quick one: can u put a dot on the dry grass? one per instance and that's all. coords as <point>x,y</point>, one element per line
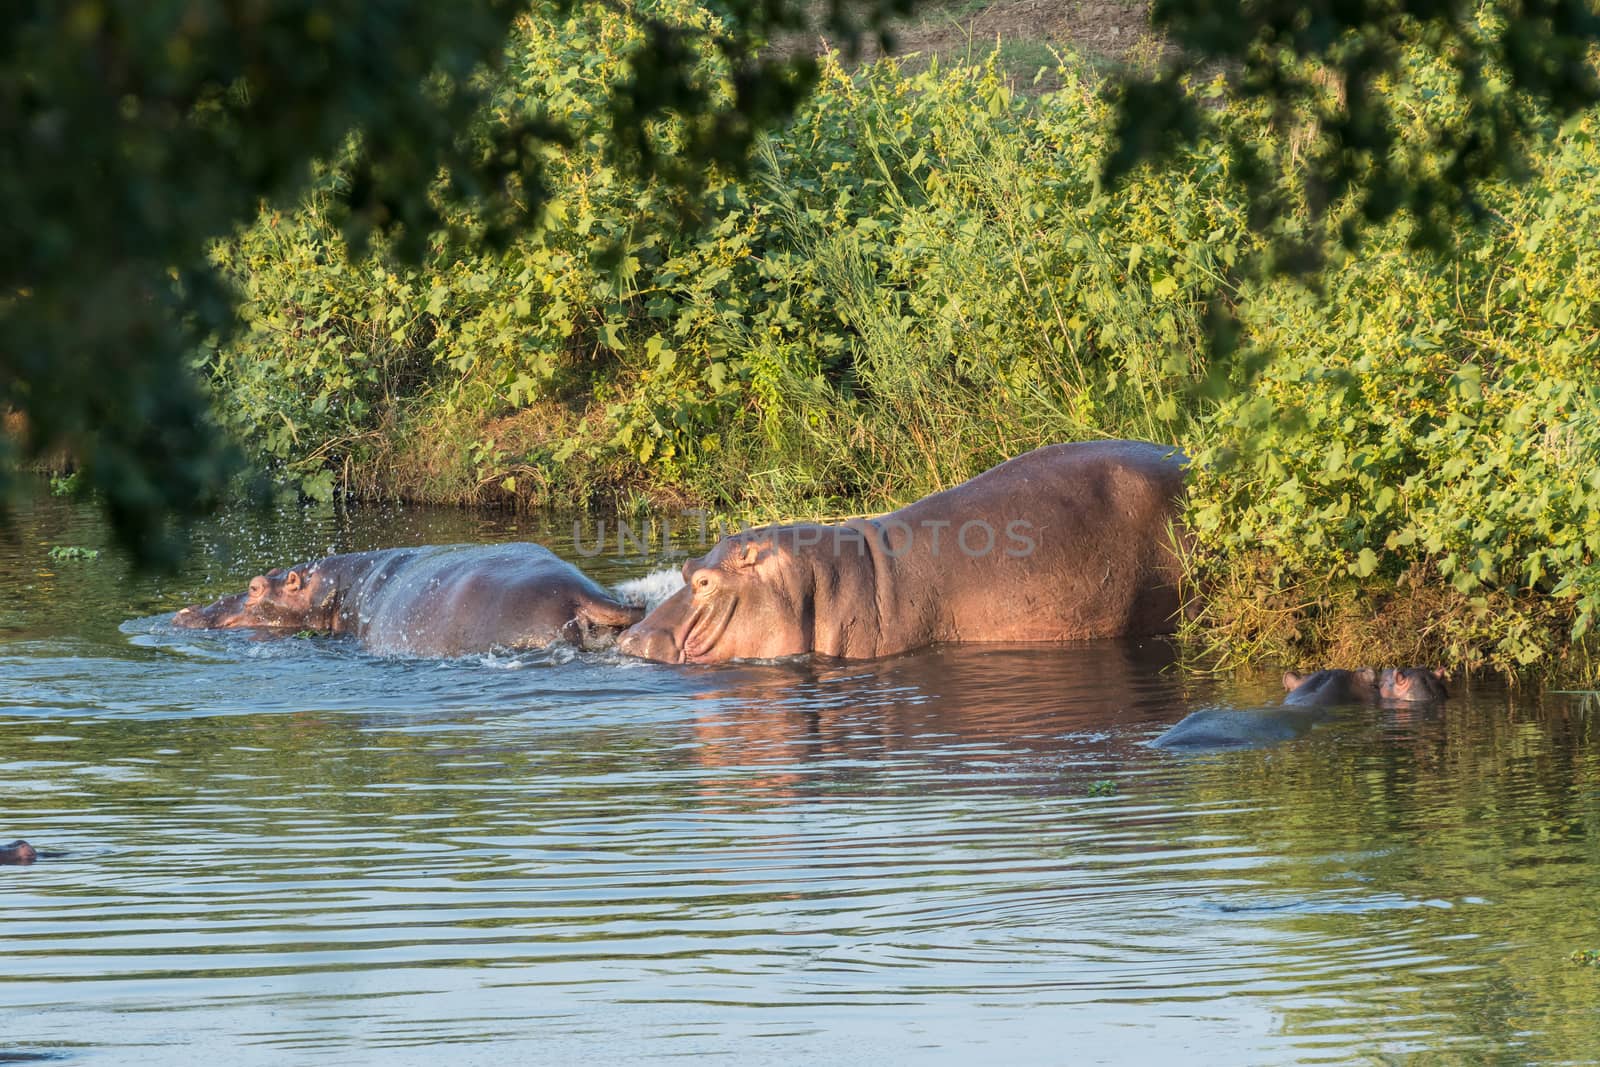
<point>1027,33</point>
<point>1242,618</point>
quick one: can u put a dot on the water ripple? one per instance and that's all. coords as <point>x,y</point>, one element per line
<point>295,851</point>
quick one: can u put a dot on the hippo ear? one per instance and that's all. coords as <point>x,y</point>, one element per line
<point>291,582</point>
<point>1292,679</point>
<point>747,555</point>
<point>1367,676</point>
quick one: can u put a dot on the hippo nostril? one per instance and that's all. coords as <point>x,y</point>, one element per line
<point>647,644</point>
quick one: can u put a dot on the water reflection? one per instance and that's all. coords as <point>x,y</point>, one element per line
<point>978,712</point>
<point>294,851</point>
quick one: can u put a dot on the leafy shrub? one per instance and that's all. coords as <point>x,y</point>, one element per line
<point>1430,419</point>
<point>920,277</point>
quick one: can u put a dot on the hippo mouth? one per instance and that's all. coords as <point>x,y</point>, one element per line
<point>703,632</point>
<point>220,615</point>
<point>662,637</point>
<point>189,619</point>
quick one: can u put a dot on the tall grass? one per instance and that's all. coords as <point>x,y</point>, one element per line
<point>994,299</point>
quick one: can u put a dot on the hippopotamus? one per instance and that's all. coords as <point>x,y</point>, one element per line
<point>435,600</point>
<point>1402,685</point>
<point>1066,542</point>
<point>1308,702</point>
<point>18,853</point>
<point>1326,688</point>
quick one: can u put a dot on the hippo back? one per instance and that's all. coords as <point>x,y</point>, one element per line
<point>1066,542</point>
<point>1211,728</point>
<point>443,600</point>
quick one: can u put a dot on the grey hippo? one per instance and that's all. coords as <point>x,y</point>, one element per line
<point>1309,698</point>
<point>435,600</point>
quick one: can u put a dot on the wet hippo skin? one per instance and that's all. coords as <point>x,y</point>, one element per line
<point>1394,685</point>
<point>1067,542</point>
<point>18,853</point>
<point>436,600</point>
<point>1321,689</point>
<point>1306,704</point>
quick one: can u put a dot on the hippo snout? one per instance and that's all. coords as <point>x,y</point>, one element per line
<point>649,642</point>
<point>220,613</point>
<point>197,617</point>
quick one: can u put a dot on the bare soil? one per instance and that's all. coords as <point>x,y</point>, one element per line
<point>1105,29</point>
<point>1027,34</point>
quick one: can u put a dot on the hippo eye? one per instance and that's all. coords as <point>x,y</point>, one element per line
<point>258,588</point>
<point>702,582</point>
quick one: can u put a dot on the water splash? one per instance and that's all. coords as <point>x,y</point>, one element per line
<point>648,592</point>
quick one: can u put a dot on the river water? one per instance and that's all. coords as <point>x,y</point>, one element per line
<point>292,851</point>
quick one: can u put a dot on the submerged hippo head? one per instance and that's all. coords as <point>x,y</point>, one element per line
<point>1413,685</point>
<point>278,600</point>
<point>1403,685</point>
<point>18,853</point>
<point>750,597</point>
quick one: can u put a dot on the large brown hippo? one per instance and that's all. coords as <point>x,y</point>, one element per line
<point>1309,701</point>
<point>436,600</point>
<point>1066,542</point>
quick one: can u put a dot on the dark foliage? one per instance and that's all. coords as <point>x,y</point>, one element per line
<point>135,132</point>
<point>1333,65</point>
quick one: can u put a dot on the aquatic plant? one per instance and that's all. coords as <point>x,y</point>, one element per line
<point>61,552</point>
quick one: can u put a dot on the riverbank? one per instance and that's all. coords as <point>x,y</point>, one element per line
<point>922,277</point>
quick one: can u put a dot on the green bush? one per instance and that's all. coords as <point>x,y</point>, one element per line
<point>1429,419</point>
<point>920,277</point>
<point>342,360</point>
